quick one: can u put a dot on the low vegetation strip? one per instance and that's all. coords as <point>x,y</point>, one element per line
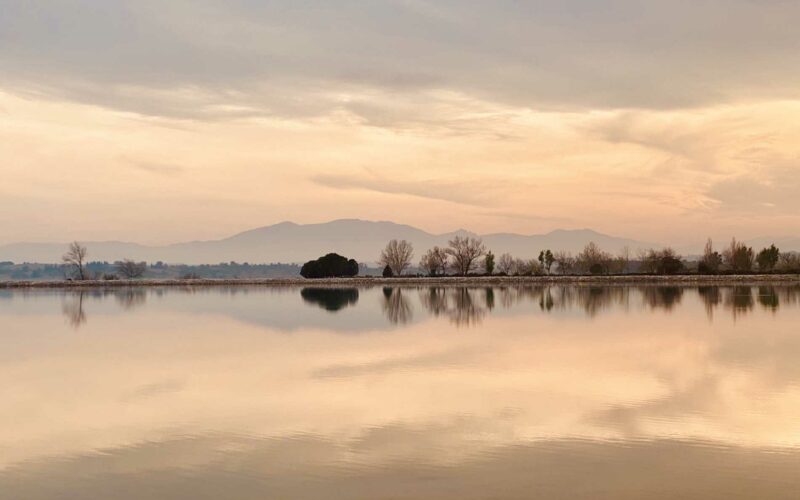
<point>721,279</point>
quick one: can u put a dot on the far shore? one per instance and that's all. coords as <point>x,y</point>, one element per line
<point>422,281</point>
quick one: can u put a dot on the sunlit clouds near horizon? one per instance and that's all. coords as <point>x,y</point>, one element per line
<point>160,122</point>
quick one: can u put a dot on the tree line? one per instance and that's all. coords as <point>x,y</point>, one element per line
<point>467,255</point>
<point>76,266</point>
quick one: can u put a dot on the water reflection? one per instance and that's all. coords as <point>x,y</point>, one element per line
<point>131,298</point>
<point>330,299</point>
<point>72,307</point>
<point>768,297</point>
<point>549,392</point>
<point>396,306</point>
<point>468,306</point>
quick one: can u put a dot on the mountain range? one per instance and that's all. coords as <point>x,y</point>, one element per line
<point>288,242</point>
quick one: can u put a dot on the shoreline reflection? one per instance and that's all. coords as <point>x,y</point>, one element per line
<point>466,306</point>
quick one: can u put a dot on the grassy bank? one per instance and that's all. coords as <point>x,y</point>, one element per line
<point>448,280</point>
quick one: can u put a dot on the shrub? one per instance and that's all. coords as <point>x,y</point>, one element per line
<point>664,261</point>
<point>768,258</point>
<point>597,268</point>
<point>739,256</point>
<point>387,272</point>
<point>331,265</point>
<point>129,269</point>
<point>711,261</point>
<point>669,265</point>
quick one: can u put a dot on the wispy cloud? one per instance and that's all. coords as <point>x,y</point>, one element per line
<point>239,58</point>
<point>455,192</point>
<point>772,190</point>
<point>154,167</point>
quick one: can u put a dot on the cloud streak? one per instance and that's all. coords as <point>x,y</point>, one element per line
<point>204,59</point>
<point>453,192</point>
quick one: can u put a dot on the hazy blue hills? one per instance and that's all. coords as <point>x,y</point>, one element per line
<point>295,243</point>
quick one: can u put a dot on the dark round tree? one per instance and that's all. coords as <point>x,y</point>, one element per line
<point>330,266</point>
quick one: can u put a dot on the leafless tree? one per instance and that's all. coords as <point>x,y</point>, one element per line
<point>130,269</point>
<point>397,255</point>
<point>789,261</point>
<point>75,259</point>
<point>665,261</point>
<point>739,257</point>
<point>465,252</point>
<point>592,259</point>
<point>434,261</point>
<point>565,262</point>
<point>505,264</point>
<point>622,260</point>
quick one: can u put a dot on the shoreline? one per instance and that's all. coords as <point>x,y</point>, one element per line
<point>415,281</point>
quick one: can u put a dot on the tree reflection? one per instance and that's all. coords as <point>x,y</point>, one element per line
<point>711,297</point>
<point>131,298</point>
<point>330,299</point>
<point>462,305</point>
<point>768,297</point>
<point>489,291</point>
<point>594,299</point>
<point>740,300</point>
<point>434,300</point>
<point>546,302</point>
<point>466,310</point>
<point>396,306</point>
<point>72,307</point>
<point>662,297</point>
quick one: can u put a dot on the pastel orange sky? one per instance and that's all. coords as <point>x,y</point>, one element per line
<point>139,121</point>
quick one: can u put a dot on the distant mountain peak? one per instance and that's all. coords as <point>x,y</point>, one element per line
<point>291,242</point>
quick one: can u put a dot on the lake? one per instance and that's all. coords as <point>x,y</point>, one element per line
<point>561,392</point>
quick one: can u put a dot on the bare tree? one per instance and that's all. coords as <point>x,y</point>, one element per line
<point>75,259</point>
<point>739,257</point>
<point>465,252</point>
<point>565,262</point>
<point>505,264</point>
<point>434,261</point>
<point>397,255</point>
<point>711,261</point>
<point>789,261</point>
<point>623,260</point>
<point>665,261</point>
<point>129,269</point>
<point>593,260</point>
<point>529,267</point>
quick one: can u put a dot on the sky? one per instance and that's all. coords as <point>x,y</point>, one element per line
<point>157,122</point>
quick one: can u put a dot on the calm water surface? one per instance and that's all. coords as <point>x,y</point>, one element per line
<point>399,393</point>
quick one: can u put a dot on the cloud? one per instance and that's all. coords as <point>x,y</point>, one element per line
<point>207,60</point>
<point>465,193</point>
<point>154,167</point>
<point>674,135</point>
<point>525,216</point>
<point>771,190</point>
